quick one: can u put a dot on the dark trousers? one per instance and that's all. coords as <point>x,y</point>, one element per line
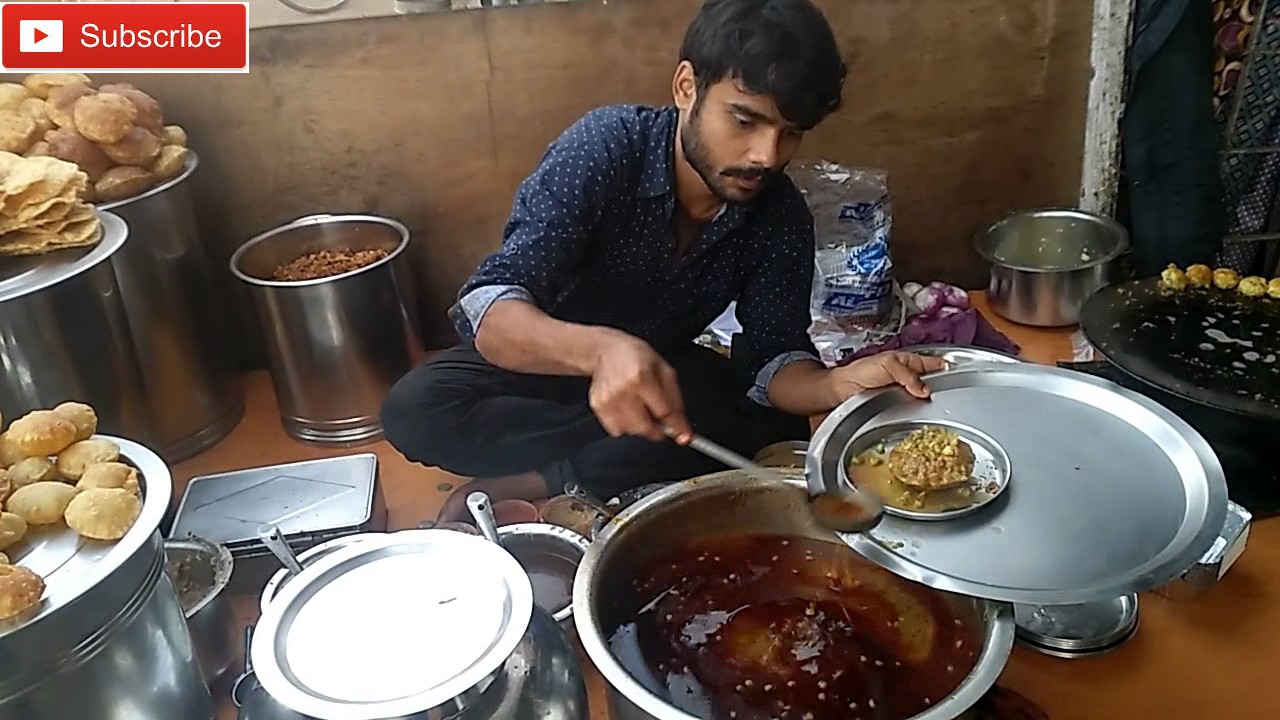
<point>459,413</point>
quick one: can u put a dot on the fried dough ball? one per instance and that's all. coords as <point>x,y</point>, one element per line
<point>1199,275</point>
<point>104,117</point>
<point>42,432</point>
<point>6,484</point>
<point>1273,288</point>
<point>137,147</point>
<point>39,148</point>
<point>1225,279</point>
<point>20,590</point>
<point>12,95</point>
<point>103,513</point>
<point>60,106</point>
<point>67,144</point>
<point>80,415</point>
<point>38,111</point>
<point>41,503</point>
<point>169,162</point>
<point>1172,278</point>
<point>109,475</point>
<point>149,115</point>
<point>12,529</point>
<point>175,135</point>
<point>10,454</point>
<point>122,181</point>
<point>17,131</point>
<point>32,470</point>
<point>4,559</point>
<point>72,461</point>
<point>41,84</point>
<point>1252,286</point>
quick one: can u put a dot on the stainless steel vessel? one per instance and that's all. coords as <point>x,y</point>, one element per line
<point>335,345</point>
<point>1046,263</point>
<point>730,503</point>
<point>109,641</point>
<point>201,571</point>
<point>64,335</point>
<point>177,320</point>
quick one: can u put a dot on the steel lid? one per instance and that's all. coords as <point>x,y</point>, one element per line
<point>72,565</point>
<point>1112,493</point>
<point>392,626</point>
<point>21,276</point>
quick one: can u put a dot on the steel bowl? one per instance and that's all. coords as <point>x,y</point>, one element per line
<point>1046,263</point>
<point>526,540</point>
<point>200,571</point>
<point>731,503</point>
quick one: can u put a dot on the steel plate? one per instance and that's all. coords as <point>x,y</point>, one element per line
<point>1082,628</point>
<point>991,466</point>
<point>1115,493</point>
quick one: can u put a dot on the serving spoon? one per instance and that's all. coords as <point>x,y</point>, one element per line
<point>844,510</point>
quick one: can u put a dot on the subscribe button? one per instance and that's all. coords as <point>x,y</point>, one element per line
<point>129,36</point>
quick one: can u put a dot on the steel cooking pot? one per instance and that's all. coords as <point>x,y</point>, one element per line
<point>732,503</point>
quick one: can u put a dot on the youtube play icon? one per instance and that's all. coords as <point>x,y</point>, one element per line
<point>40,36</point>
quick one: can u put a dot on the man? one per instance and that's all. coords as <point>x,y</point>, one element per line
<point>636,230</point>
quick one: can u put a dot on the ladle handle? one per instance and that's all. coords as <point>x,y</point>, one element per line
<point>274,540</point>
<point>482,511</point>
<point>248,645</point>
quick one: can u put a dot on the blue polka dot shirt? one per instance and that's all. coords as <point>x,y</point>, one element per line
<point>590,240</point>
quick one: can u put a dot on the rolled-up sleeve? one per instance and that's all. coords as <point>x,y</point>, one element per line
<point>773,306</point>
<point>552,220</point>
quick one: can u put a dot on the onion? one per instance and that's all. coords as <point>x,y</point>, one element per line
<point>927,301</point>
<point>948,311</point>
<point>952,296</point>
<point>910,289</point>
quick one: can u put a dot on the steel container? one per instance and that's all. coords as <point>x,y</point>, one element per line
<point>109,640</point>
<point>731,503</point>
<point>208,567</point>
<point>64,335</point>
<point>177,321</point>
<point>1046,263</point>
<point>335,345</point>
<point>526,541</point>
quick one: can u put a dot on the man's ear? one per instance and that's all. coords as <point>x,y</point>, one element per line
<point>684,86</point>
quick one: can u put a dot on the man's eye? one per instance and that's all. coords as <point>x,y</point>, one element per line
<point>744,122</point>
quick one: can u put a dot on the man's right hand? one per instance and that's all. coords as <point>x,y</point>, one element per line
<point>634,391</point>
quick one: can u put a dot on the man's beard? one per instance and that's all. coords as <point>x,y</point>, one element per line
<point>697,155</point>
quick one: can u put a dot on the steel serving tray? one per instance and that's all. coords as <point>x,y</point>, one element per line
<point>1115,493</point>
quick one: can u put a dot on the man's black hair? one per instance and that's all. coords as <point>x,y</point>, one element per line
<point>781,48</point>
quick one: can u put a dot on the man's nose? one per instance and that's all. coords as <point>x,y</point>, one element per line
<point>764,150</point>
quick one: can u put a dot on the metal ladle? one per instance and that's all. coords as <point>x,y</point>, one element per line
<point>482,510</point>
<point>845,510</point>
<point>271,536</point>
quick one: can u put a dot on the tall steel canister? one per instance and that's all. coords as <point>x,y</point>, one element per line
<point>179,332</point>
<point>335,345</point>
<point>64,335</point>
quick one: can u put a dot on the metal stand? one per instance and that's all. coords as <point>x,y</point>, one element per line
<point>1076,631</point>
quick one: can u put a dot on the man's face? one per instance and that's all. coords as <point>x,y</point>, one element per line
<point>736,141</point>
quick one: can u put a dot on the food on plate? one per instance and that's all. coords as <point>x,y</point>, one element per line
<point>42,207</point>
<point>12,529</point>
<point>103,513</point>
<point>170,161</point>
<point>72,462</point>
<point>41,503</point>
<point>122,181</point>
<point>148,114</point>
<point>20,590</point>
<point>17,131</point>
<point>175,135</point>
<point>1199,275</point>
<point>6,484</point>
<point>1225,279</point>
<point>104,117</point>
<point>1252,286</point>
<point>10,455</point>
<point>1273,288</point>
<point>932,458</point>
<point>1172,278</point>
<point>42,84</point>
<point>66,144</point>
<point>42,432</point>
<point>32,470</point>
<point>327,263</point>
<point>62,102</point>
<point>12,95</point>
<point>138,147</point>
<point>109,475</point>
<point>80,415</point>
<point>4,559</point>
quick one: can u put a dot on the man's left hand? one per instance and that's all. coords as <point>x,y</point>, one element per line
<point>885,369</point>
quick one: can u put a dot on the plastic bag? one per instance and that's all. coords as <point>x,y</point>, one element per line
<point>852,303</point>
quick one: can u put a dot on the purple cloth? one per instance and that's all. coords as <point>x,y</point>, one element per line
<point>964,328</point>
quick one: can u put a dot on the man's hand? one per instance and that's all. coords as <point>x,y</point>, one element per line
<point>884,369</point>
<point>634,391</point>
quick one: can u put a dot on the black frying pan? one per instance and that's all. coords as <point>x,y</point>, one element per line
<point>1214,347</point>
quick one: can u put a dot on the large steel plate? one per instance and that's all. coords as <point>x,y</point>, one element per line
<point>1114,495</point>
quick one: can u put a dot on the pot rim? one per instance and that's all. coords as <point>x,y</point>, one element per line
<point>562,535</point>
<point>997,644</point>
<point>318,219</point>
<point>224,565</point>
<point>1110,224</point>
<point>188,168</point>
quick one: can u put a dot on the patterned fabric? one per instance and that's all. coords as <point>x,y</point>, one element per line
<point>590,241</point>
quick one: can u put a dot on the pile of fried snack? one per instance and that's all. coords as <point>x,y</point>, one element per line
<point>115,133</point>
<point>57,474</point>
<point>1175,279</point>
<point>42,206</point>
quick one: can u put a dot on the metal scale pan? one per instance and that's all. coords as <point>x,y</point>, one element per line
<point>1112,494</point>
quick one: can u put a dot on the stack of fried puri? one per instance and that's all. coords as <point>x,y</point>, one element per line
<point>115,133</point>
<point>42,206</point>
